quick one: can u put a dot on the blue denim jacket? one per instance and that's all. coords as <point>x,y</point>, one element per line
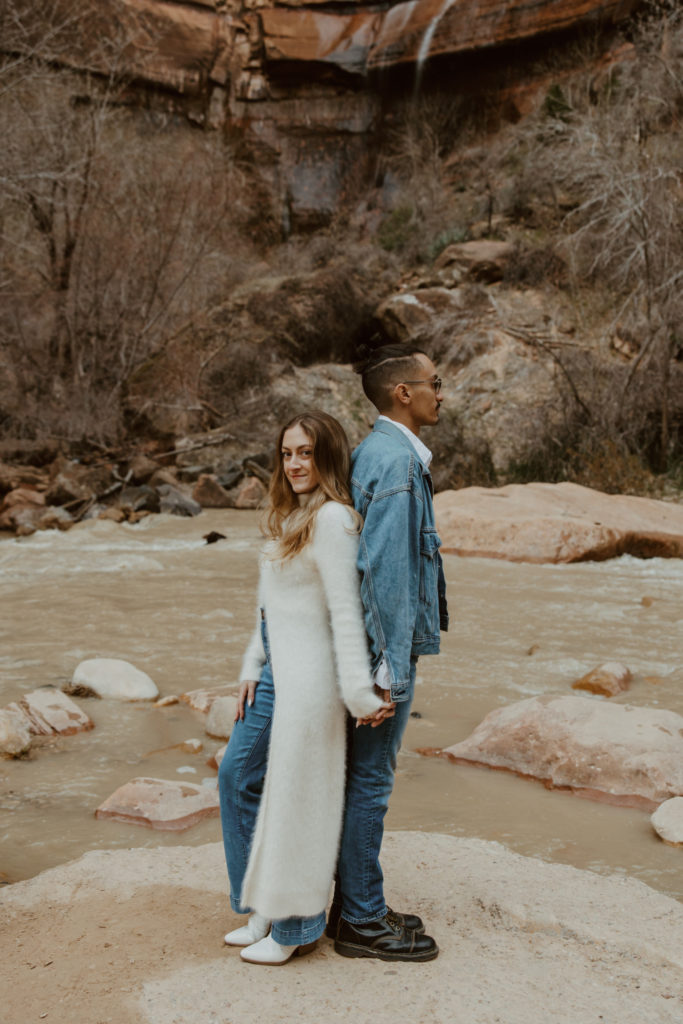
<point>402,580</point>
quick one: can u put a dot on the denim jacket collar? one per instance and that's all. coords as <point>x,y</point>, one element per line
<point>387,427</point>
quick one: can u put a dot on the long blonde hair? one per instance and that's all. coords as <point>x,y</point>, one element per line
<point>286,522</point>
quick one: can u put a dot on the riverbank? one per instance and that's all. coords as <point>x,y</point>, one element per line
<point>157,595</point>
<point>135,936</point>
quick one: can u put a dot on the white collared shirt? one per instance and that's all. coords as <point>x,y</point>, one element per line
<point>421,449</point>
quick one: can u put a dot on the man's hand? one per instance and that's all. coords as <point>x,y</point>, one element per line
<point>387,710</point>
<point>247,691</point>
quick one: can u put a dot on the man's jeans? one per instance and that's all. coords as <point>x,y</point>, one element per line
<point>371,764</point>
<point>240,782</point>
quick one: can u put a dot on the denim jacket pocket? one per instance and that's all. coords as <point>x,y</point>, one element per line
<point>429,565</point>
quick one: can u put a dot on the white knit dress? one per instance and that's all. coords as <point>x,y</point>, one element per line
<point>320,662</point>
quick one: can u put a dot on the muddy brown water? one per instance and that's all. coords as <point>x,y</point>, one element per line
<point>156,595</point>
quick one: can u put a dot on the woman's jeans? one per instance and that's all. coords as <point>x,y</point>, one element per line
<point>240,782</point>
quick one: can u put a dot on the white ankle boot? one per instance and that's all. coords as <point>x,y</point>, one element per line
<point>268,951</point>
<point>256,928</point>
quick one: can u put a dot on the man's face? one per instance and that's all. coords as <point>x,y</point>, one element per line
<point>425,399</point>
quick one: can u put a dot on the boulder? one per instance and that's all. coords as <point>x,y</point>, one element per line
<point>410,316</point>
<point>251,493</point>
<point>116,515</point>
<point>174,502</point>
<point>480,260</point>
<point>55,518</point>
<point>209,493</point>
<point>192,746</point>
<point>201,700</point>
<point>15,735</point>
<point>607,680</point>
<point>67,487</point>
<point>50,712</point>
<point>556,523</point>
<point>616,752</point>
<point>139,499</point>
<point>667,821</point>
<point>23,496</point>
<point>163,477</point>
<point>215,760</point>
<point>221,717</point>
<point>114,678</point>
<point>12,477</point>
<point>161,804</point>
<point>142,468</point>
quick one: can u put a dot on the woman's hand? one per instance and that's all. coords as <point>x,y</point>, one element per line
<point>247,691</point>
<point>387,710</point>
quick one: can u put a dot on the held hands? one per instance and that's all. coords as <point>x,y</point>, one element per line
<point>387,710</point>
<point>247,691</point>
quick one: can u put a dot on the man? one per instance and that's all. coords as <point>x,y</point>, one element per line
<point>403,592</point>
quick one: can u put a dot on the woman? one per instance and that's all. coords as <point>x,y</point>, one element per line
<point>309,651</point>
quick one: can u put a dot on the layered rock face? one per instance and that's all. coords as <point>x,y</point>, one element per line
<point>243,44</point>
<point>307,84</point>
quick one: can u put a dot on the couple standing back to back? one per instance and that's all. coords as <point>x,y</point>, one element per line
<point>287,814</point>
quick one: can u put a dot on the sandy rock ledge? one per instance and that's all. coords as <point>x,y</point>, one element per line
<point>138,934</point>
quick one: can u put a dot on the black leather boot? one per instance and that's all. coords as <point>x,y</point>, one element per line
<point>411,922</point>
<point>386,939</point>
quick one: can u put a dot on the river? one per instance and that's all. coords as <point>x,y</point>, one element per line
<point>157,595</point>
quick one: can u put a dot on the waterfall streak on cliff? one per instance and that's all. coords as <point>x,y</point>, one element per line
<point>426,43</point>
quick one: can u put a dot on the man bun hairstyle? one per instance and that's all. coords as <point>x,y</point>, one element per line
<point>386,367</point>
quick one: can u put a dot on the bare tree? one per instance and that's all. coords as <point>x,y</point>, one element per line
<point>116,228</point>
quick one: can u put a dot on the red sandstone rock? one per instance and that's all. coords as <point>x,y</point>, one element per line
<point>607,680</point>
<point>250,493</point>
<point>617,752</point>
<point>50,712</point>
<point>201,700</point>
<point>23,496</point>
<point>556,523</point>
<point>209,493</point>
<point>159,803</point>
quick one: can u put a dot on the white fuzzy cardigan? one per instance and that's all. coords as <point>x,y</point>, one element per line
<point>320,663</point>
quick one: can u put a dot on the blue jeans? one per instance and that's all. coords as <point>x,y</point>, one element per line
<point>240,783</point>
<point>371,764</point>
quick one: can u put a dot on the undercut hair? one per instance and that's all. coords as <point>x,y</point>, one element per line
<point>385,368</point>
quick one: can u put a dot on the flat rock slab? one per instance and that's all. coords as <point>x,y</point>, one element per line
<point>114,678</point>
<point>521,942</point>
<point>616,752</point>
<point>556,523</point>
<point>50,712</point>
<point>667,821</point>
<point>161,804</point>
<point>201,700</point>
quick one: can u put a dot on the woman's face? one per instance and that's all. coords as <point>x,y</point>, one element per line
<point>297,460</point>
